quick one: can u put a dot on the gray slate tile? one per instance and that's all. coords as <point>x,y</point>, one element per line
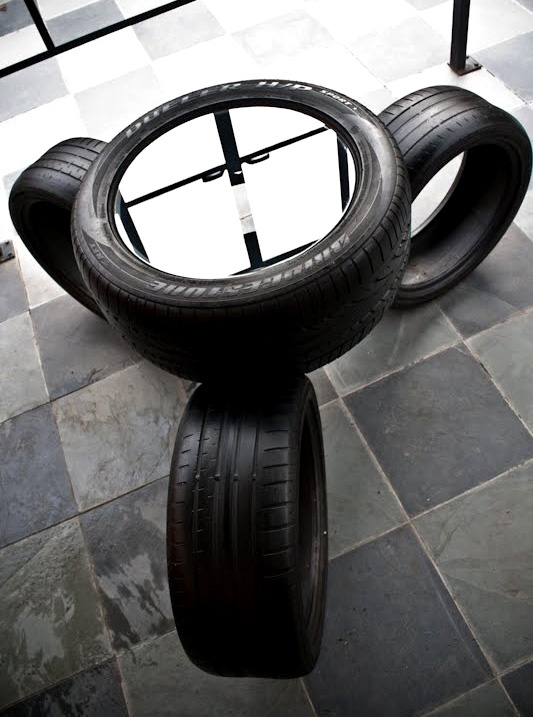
<point>26,89</point>
<point>126,544</point>
<point>14,15</point>
<point>487,701</point>
<point>519,684</point>
<point>482,543</point>
<point>524,115</point>
<point>35,490</point>
<point>283,36</point>
<point>93,693</point>
<point>178,29</point>
<point>360,502</point>
<point>392,53</point>
<point>118,434</point>
<point>400,338</point>
<point>13,299</point>
<point>394,642</point>
<point>323,387</point>
<point>51,625</point>
<point>21,377</point>
<point>526,3</point>
<point>84,20</point>
<point>506,351</point>
<point>160,680</point>
<point>512,62</point>
<point>77,347</point>
<point>439,428</point>
<point>496,290</point>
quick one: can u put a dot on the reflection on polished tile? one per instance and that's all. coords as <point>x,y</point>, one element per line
<point>52,626</point>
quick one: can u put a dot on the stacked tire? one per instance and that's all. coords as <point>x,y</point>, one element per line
<point>247,517</point>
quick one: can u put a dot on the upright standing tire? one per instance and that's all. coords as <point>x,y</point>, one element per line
<point>290,317</point>
<point>247,531</point>
<point>431,127</point>
<point>41,203</point>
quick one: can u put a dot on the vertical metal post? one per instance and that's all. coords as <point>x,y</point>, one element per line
<point>39,24</point>
<point>343,174</point>
<point>459,61</point>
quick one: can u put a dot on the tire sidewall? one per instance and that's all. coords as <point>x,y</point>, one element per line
<point>96,238</point>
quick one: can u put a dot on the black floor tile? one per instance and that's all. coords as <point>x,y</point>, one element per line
<point>394,642</point>
<point>512,62</point>
<point>439,428</point>
<point>519,685</point>
<point>86,19</point>
<point>35,490</point>
<point>14,300</point>
<point>94,693</point>
<point>498,288</point>
<point>126,543</point>
<point>77,347</point>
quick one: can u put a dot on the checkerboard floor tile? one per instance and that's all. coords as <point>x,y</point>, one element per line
<point>427,440</point>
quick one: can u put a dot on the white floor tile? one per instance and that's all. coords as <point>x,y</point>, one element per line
<point>334,67</point>
<point>210,63</point>
<point>102,60</point>
<point>135,7</point>
<point>235,15</point>
<point>25,137</point>
<point>491,21</point>
<point>53,8</point>
<point>348,20</point>
<point>40,287</point>
<point>20,45</point>
<point>125,98</point>
<point>481,82</point>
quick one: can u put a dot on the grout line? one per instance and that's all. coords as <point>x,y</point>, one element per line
<point>474,489</point>
<point>51,686</point>
<point>372,455</point>
<point>306,693</point>
<point>483,650</point>
<point>504,690</point>
<point>343,392</point>
<point>83,512</point>
<point>497,386</point>
<point>514,316</point>
<point>123,685</point>
<point>517,666</point>
<point>368,540</point>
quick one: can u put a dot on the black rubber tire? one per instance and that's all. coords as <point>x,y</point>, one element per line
<point>291,317</point>
<point>247,531</point>
<point>431,127</point>
<point>41,203</point>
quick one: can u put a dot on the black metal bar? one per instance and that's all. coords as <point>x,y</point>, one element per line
<point>343,174</point>
<point>131,229</point>
<point>236,177</point>
<point>78,41</point>
<point>275,259</point>
<point>247,159</point>
<point>459,62</point>
<point>229,147</point>
<point>39,24</point>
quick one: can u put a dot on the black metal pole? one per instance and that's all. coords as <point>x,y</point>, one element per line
<point>343,174</point>
<point>39,24</point>
<point>459,61</point>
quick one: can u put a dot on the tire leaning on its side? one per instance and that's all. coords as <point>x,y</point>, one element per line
<point>291,317</point>
<point>247,530</point>
<point>431,127</point>
<point>41,203</point>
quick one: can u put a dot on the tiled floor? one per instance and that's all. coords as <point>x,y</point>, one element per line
<point>427,423</point>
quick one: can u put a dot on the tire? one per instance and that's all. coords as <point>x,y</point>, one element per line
<point>291,317</point>
<point>41,203</point>
<point>247,531</point>
<point>431,127</point>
